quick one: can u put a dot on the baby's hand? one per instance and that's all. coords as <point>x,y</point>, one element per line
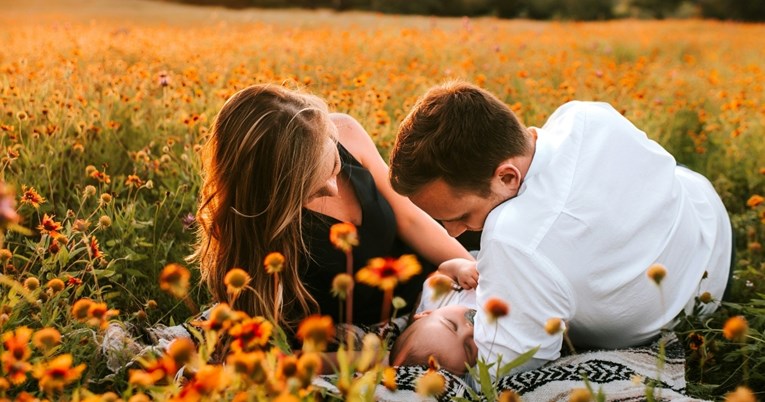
<point>467,276</point>
<point>462,271</point>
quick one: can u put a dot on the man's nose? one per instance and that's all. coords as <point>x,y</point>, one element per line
<point>454,228</point>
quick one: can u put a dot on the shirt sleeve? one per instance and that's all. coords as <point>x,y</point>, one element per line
<point>535,291</point>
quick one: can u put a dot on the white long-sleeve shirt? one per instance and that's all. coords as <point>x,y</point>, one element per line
<point>601,202</point>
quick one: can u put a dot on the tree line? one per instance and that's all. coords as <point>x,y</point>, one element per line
<point>583,10</point>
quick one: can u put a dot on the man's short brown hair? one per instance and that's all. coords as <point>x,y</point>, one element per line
<point>457,132</point>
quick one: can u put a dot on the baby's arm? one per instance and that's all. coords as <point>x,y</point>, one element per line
<point>462,271</point>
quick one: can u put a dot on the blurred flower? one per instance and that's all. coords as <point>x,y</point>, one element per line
<point>106,198</point>
<point>5,255</point>
<point>250,334</point>
<point>104,221</point>
<point>440,284</point>
<point>80,225</point>
<point>553,326</point>
<point>182,351</point>
<point>249,364</point>
<point>174,279</point>
<point>220,317</point>
<point>509,396</point>
<point>389,378</point>
<point>695,341</point>
<point>80,309</point>
<point>46,338</point>
<point>93,248</point>
<point>656,273</point>
<point>89,191</point>
<point>344,236</point>
<point>580,395</point>
<point>55,285</point>
<point>315,331</point>
<point>341,285</point>
<point>274,262</point>
<point>754,200</point>
<point>385,273</point>
<point>8,213</point>
<point>54,375</point>
<point>16,344</point>
<point>742,393</point>
<point>31,197</point>
<point>398,303</point>
<point>236,280</point>
<point>32,283</point>
<point>705,297</point>
<point>188,221</point>
<point>102,177</point>
<point>133,181</point>
<point>496,308</point>
<point>431,383</point>
<point>736,328</point>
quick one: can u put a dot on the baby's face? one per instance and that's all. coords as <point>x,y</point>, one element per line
<point>448,333</point>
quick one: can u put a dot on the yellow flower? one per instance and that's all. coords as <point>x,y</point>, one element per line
<point>308,366</point>
<point>509,396</point>
<point>220,317</point>
<point>736,328</point>
<point>80,309</point>
<point>32,283</point>
<point>580,395</point>
<point>344,236</point>
<point>16,344</point>
<point>182,351</point>
<point>386,273</point>
<point>553,326</point>
<point>46,338</point>
<point>656,273</point>
<point>249,364</point>
<point>174,279</point>
<point>741,394</point>
<point>431,383</point>
<point>496,308</point>
<point>236,280</point>
<point>389,378</point>
<point>57,373</point>
<point>274,262</point>
<point>315,331</point>
<point>341,285</point>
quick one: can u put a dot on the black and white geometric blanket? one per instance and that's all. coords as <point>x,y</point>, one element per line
<point>622,375</point>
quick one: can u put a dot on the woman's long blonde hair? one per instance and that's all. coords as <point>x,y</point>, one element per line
<point>259,167</point>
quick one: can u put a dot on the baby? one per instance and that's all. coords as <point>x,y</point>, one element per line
<point>446,333</point>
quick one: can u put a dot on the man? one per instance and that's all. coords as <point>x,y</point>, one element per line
<point>572,214</point>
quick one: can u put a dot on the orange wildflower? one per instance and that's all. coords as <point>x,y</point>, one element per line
<point>31,197</point>
<point>344,236</point>
<point>386,273</point>
<point>16,370</point>
<point>553,326</point>
<point>236,280</point>
<point>208,380</point>
<point>315,331</point>
<point>250,334</point>
<point>58,373</point>
<point>49,226</point>
<point>46,338</point>
<point>182,351</point>
<point>736,328</point>
<point>100,176</point>
<point>695,341</point>
<point>509,396</point>
<point>32,283</point>
<point>94,249</point>
<point>742,393</point>
<point>174,279</point>
<point>580,395</point>
<point>16,345</point>
<point>133,181</point>
<point>220,317</point>
<point>496,308</point>
<point>274,262</point>
<point>755,200</point>
<point>656,273</point>
<point>389,378</point>
<point>249,364</point>
<point>55,285</point>
<point>80,309</point>
<point>308,365</point>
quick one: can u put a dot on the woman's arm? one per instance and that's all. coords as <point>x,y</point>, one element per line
<point>420,231</point>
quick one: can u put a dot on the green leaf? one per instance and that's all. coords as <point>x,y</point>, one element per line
<point>518,361</point>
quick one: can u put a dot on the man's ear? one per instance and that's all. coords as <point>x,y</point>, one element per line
<point>421,315</point>
<point>507,177</point>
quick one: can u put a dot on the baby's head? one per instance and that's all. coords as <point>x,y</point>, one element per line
<point>445,333</point>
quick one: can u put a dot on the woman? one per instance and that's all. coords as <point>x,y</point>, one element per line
<point>279,170</point>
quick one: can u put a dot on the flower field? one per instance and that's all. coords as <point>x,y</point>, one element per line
<point>104,107</point>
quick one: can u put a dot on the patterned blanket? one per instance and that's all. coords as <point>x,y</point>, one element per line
<point>622,375</point>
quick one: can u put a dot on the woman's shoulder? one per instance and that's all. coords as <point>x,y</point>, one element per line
<point>353,137</point>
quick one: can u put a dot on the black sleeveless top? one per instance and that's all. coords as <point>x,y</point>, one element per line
<point>377,238</point>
